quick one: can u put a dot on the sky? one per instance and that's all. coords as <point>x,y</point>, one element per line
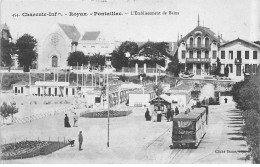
<point>231,18</point>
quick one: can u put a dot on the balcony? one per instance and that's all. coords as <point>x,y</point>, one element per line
<point>197,60</point>
<point>198,47</point>
<point>238,61</point>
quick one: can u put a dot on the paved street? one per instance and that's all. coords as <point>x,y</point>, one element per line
<point>133,140</point>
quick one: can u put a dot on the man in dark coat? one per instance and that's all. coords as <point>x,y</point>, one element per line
<point>147,115</point>
<point>80,140</point>
<point>66,121</point>
<point>159,116</point>
<point>172,114</point>
<point>168,114</point>
<point>176,110</point>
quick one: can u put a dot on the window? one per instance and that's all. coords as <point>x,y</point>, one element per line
<point>207,42</point>
<point>230,54</point>
<point>191,41</point>
<point>254,68</point>
<point>198,54</point>
<point>97,100</point>
<point>206,54</point>
<point>183,54</point>
<point>214,54</point>
<point>73,91</point>
<point>246,54</point>
<point>246,68</point>
<point>222,54</point>
<point>238,54</point>
<point>231,68</point>
<point>199,41</point>
<point>21,89</point>
<point>191,54</point>
<point>254,54</point>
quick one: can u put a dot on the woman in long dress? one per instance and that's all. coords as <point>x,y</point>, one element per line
<point>66,121</point>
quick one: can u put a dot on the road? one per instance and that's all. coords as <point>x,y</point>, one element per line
<point>134,140</point>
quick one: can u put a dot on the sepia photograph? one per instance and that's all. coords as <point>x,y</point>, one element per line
<point>130,82</point>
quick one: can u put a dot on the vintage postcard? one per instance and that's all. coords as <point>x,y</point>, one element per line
<point>130,81</point>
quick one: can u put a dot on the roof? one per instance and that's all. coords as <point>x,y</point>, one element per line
<point>71,31</point>
<point>164,97</point>
<point>241,40</point>
<point>182,87</point>
<point>91,35</point>
<point>4,26</point>
<point>205,30</point>
<point>22,83</point>
<point>194,114</point>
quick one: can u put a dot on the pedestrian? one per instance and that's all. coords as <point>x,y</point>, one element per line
<point>80,140</point>
<point>154,116</point>
<point>168,114</point>
<point>147,115</point>
<point>172,114</point>
<point>66,121</point>
<point>225,100</point>
<point>76,119</point>
<point>159,116</point>
<point>176,111</point>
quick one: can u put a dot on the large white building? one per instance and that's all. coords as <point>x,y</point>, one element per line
<point>240,56</point>
<point>62,39</point>
<point>198,50</point>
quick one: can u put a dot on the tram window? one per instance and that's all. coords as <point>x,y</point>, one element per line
<point>97,99</point>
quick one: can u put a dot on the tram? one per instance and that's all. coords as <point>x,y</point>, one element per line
<point>189,127</point>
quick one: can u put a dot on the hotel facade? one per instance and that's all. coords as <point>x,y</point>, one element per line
<point>199,49</point>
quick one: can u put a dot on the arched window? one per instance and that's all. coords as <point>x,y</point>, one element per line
<point>207,42</point>
<point>54,61</point>
<point>199,41</point>
<point>191,41</point>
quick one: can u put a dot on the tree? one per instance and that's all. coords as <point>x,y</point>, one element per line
<point>246,94</point>
<point>119,58</point>
<point>217,70</point>
<point>128,47</point>
<point>26,51</point>
<point>226,71</point>
<point>6,52</point>
<point>174,66</point>
<point>97,60</point>
<point>158,89</point>
<point>77,58</point>
<point>7,110</point>
<point>154,51</point>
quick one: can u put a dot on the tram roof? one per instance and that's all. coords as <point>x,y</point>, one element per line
<point>194,114</point>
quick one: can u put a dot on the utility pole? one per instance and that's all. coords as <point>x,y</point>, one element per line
<point>108,108</point>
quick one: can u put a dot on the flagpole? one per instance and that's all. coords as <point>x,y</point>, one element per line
<point>156,74</point>
<point>92,78</point>
<point>108,108</point>
<point>82,75</point>
<point>77,74</point>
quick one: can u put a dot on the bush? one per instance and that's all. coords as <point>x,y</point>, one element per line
<point>7,110</point>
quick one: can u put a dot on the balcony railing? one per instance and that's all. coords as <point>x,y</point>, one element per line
<point>198,46</point>
<point>197,60</point>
